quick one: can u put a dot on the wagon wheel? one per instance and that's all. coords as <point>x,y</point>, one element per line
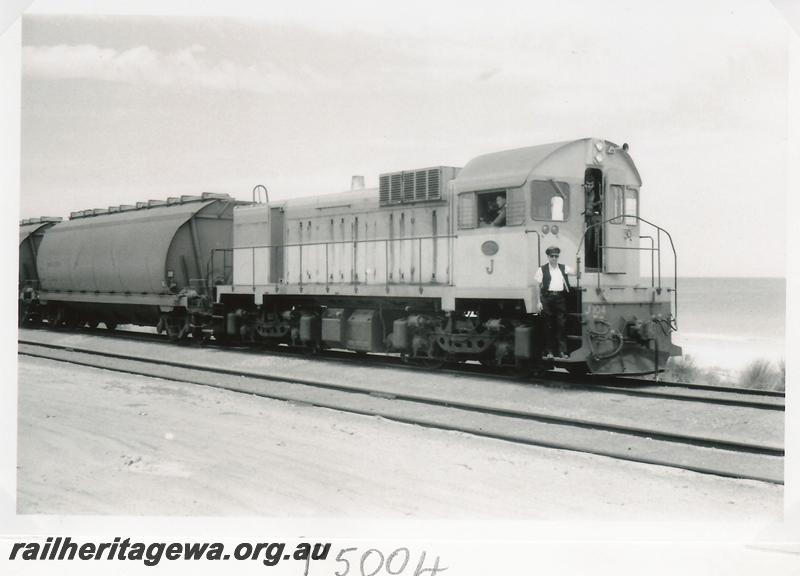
<point>172,332</point>
<point>177,328</point>
<point>55,317</point>
<point>110,325</point>
<point>198,337</point>
<point>92,324</point>
<point>22,314</point>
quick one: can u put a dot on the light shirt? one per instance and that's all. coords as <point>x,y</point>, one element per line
<point>556,279</point>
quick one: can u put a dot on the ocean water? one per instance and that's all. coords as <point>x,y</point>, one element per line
<point>727,323</point>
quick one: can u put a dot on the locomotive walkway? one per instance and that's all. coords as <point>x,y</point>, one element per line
<point>728,440</point>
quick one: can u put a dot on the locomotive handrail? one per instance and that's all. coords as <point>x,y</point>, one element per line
<point>652,254</point>
<point>359,241</point>
<point>210,267</point>
<point>538,246</point>
<point>657,248</point>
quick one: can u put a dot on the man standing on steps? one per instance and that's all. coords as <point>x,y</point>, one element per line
<point>553,279</point>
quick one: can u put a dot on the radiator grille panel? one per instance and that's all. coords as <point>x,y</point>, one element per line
<point>414,186</point>
<point>395,189</point>
<point>383,190</point>
<point>434,190</point>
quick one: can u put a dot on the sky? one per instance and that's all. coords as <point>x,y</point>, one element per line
<point>121,108</point>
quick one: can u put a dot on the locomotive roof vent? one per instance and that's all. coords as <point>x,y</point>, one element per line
<point>423,185</point>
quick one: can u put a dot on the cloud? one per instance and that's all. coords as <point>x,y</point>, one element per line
<point>187,67</point>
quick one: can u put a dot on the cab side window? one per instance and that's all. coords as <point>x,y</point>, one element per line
<point>614,204</point>
<point>631,206</point>
<point>549,200</point>
<point>492,209</point>
<point>467,215</point>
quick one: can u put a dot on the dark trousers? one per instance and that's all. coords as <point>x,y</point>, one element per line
<point>554,311</point>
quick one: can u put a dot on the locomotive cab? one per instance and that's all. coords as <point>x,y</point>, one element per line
<point>582,196</point>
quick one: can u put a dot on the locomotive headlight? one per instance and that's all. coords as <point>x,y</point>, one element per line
<point>554,229</point>
<point>545,229</point>
<point>595,151</point>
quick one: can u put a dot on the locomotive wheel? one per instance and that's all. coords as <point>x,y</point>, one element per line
<point>522,369</point>
<point>270,343</point>
<point>578,369</point>
<point>110,325</point>
<point>312,349</point>
<point>424,362</point>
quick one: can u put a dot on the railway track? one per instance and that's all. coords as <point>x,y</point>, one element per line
<point>517,416</point>
<point>636,387</point>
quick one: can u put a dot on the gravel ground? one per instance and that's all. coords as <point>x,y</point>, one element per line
<point>96,442</point>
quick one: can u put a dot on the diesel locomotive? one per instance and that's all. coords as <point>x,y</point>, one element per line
<point>436,264</point>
